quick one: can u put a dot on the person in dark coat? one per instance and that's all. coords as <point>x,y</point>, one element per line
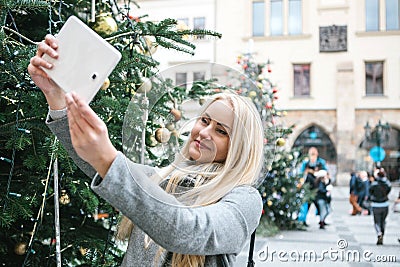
<point>323,197</point>
<point>379,192</point>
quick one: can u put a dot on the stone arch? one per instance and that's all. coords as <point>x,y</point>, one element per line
<point>314,135</point>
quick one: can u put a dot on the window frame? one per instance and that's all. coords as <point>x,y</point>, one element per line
<point>382,93</point>
<point>298,20</point>
<point>261,23</point>
<point>195,27</point>
<point>272,30</point>
<point>297,91</point>
<point>392,10</point>
<point>375,19</point>
<point>380,16</point>
<point>180,84</point>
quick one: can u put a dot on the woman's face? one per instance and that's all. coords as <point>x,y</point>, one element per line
<point>210,136</point>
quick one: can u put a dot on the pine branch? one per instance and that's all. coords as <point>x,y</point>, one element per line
<point>24,4</point>
<point>166,30</point>
<point>20,35</point>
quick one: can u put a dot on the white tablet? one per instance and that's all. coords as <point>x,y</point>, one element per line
<point>85,59</point>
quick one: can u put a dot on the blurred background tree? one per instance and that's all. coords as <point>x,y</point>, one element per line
<point>281,186</point>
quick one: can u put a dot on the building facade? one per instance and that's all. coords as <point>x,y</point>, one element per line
<point>336,64</point>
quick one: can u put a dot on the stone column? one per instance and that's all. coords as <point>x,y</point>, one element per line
<point>345,121</point>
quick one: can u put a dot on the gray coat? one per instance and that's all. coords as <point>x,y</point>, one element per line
<point>218,231</point>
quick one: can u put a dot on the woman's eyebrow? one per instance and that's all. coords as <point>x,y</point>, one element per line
<point>218,123</point>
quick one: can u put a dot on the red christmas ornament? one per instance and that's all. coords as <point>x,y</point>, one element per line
<point>274,90</point>
<point>269,69</point>
<point>268,105</point>
<point>131,17</point>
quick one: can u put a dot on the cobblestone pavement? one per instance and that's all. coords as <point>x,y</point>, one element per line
<point>346,241</point>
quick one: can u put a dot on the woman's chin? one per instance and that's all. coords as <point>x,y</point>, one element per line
<point>194,154</point>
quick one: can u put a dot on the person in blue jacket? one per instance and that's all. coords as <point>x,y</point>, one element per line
<point>314,161</point>
<point>309,166</point>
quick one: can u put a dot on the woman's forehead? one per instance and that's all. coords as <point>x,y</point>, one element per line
<point>220,111</point>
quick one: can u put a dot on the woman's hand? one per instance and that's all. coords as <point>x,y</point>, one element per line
<point>53,93</point>
<point>89,135</point>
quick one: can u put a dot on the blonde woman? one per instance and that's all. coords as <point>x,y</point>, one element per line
<point>200,210</point>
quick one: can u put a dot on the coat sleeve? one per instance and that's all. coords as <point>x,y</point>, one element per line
<point>60,129</point>
<point>220,228</point>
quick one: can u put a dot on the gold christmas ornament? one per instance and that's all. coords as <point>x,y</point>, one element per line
<point>176,113</point>
<point>201,101</point>
<point>175,133</point>
<point>252,94</point>
<point>162,135</point>
<point>280,141</point>
<point>106,84</point>
<point>149,47</point>
<point>64,198</point>
<point>20,248</point>
<point>145,86</point>
<point>170,126</point>
<point>105,24</point>
<point>151,141</point>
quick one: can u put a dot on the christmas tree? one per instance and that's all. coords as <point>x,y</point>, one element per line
<point>38,181</point>
<point>281,187</point>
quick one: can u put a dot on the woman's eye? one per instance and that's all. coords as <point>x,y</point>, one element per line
<point>204,120</point>
<point>222,131</point>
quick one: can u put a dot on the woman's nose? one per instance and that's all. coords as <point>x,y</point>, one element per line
<point>205,133</point>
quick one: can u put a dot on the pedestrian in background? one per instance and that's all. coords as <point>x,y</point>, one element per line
<point>314,161</point>
<point>396,204</point>
<point>379,192</point>
<point>323,196</point>
<point>354,192</point>
<point>363,184</point>
<point>311,164</point>
<point>310,181</point>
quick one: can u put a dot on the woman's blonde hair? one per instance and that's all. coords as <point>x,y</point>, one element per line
<point>214,180</point>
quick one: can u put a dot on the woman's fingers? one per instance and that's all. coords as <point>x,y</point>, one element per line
<point>87,113</point>
<point>47,48</point>
<point>51,40</point>
<point>37,62</point>
<point>83,118</point>
<point>74,117</point>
